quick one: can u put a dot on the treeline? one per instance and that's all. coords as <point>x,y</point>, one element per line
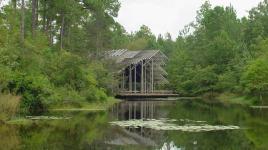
<point>51,51</point>
<point>217,53</point>
<point>220,52</point>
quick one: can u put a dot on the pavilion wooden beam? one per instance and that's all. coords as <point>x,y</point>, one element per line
<point>123,80</point>
<point>152,78</point>
<point>140,74</point>
<point>142,77</point>
<point>130,79</point>
<point>145,79</point>
<point>141,110</point>
<point>135,79</point>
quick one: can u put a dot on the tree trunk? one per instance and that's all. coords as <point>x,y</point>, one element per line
<point>98,43</point>
<point>14,2</point>
<point>34,5</point>
<point>62,32</point>
<point>49,30</point>
<point>44,15</point>
<point>22,32</point>
<point>69,36</point>
<point>36,13</point>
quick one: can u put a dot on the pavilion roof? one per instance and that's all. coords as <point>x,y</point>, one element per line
<point>127,57</point>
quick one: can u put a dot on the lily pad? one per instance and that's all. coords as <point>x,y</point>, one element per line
<point>167,124</point>
<point>47,118</point>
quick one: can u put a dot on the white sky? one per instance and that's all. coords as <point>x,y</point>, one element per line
<point>171,16</point>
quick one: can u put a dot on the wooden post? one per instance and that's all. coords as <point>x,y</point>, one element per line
<point>152,84</point>
<point>123,83</point>
<point>117,111</point>
<point>130,79</point>
<point>135,111</point>
<point>145,76</point>
<point>142,77</point>
<point>135,79</point>
<point>141,110</point>
<point>153,111</point>
<point>129,112</point>
<point>131,117</point>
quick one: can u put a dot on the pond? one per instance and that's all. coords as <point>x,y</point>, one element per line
<point>138,125</point>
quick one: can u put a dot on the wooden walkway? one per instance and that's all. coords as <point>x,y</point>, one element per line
<point>126,95</point>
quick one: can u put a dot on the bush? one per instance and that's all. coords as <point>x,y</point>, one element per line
<point>34,88</point>
<point>255,77</point>
<point>66,94</point>
<point>94,94</point>
<point>42,77</point>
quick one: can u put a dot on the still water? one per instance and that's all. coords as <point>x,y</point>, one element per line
<point>133,125</point>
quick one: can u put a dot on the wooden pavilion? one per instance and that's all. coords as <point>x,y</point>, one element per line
<point>141,73</point>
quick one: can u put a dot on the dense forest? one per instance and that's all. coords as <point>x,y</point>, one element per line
<point>222,53</point>
<point>51,51</point>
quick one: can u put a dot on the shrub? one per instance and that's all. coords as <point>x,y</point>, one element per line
<point>34,89</point>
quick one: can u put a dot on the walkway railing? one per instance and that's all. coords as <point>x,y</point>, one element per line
<point>149,92</point>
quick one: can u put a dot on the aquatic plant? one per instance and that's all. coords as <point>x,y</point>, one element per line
<point>47,118</point>
<point>166,124</point>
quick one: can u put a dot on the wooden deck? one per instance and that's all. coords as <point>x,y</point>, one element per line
<point>127,95</point>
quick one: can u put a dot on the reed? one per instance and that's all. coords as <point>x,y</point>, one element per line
<point>9,106</point>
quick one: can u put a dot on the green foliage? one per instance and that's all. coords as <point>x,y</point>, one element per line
<point>223,54</point>
<point>228,82</point>
<point>255,77</point>
<point>42,72</point>
<point>62,61</point>
<point>256,25</point>
<point>142,40</point>
<point>192,79</point>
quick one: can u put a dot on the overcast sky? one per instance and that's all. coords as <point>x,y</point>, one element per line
<point>164,16</point>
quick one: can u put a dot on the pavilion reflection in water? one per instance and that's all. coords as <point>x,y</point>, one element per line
<point>132,110</point>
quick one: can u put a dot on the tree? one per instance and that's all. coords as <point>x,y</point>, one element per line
<point>202,61</point>
<point>34,16</point>
<point>14,2</point>
<point>22,22</point>
<point>255,77</point>
<point>99,29</point>
<point>47,67</point>
<point>256,25</point>
<point>143,39</point>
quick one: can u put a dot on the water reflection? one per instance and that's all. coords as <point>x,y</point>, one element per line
<point>9,138</point>
<point>134,110</point>
<point>171,146</point>
<point>135,136</point>
<point>80,132</point>
<point>93,131</point>
<point>214,114</point>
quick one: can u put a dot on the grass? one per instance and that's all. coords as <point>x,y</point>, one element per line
<point>86,106</point>
<point>9,106</point>
<point>230,98</point>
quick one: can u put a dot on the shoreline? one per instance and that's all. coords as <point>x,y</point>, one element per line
<point>85,107</point>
